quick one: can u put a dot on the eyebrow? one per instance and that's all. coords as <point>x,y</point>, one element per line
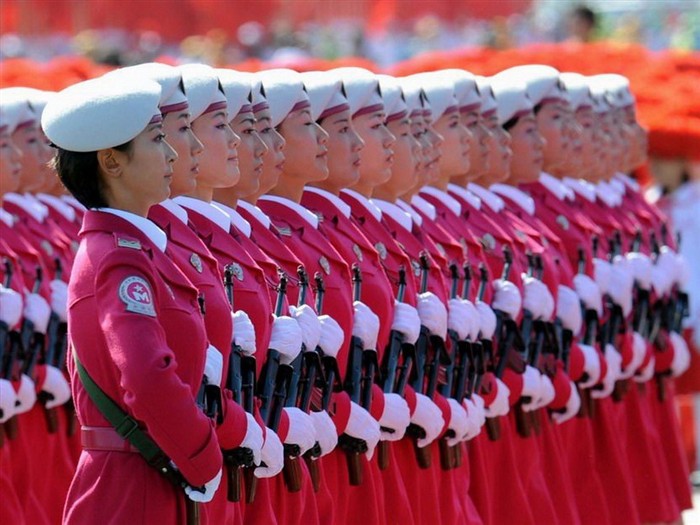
<point>156,126</point>
<point>183,115</point>
<point>219,114</point>
<point>249,119</point>
<point>344,119</point>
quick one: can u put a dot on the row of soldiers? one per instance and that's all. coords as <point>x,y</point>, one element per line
<point>430,299</point>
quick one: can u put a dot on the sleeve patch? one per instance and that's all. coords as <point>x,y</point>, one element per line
<point>136,294</point>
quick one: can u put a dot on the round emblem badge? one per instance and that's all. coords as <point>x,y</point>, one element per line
<point>358,252</point>
<point>325,264</point>
<point>381,250</point>
<point>196,262</point>
<point>488,242</point>
<point>563,222</point>
<point>136,294</point>
<point>237,271</point>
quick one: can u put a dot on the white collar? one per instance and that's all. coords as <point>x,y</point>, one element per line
<point>618,185</point>
<point>627,181</point>
<point>333,199</point>
<point>367,203</point>
<point>256,212</point>
<point>518,196</point>
<point>465,194</point>
<point>604,192</point>
<point>175,209</point>
<point>238,222</point>
<point>7,218</point>
<point>581,187</point>
<point>211,212</point>
<point>415,216</point>
<point>28,205</point>
<point>73,202</point>
<point>57,204</point>
<point>395,212</point>
<point>148,228</point>
<point>555,186</point>
<point>492,200</point>
<point>423,205</point>
<point>445,198</point>
<point>298,208</point>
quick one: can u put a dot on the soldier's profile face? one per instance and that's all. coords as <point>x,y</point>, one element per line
<point>344,146</point>
<point>306,150</point>
<point>10,166</point>
<point>178,130</point>
<point>218,165</point>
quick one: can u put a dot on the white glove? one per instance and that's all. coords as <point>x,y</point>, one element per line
<point>500,405</point>
<point>10,306</point>
<point>621,285</point>
<point>645,374</point>
<point>331,336</point>
<point>206,493</point>
<point>309,323</point>
<point>326,434</point>
<point>548,392</point>
<point>506,298</point>
<point>301,429</point>
<point>56,385</point>
<point>487,320</point>
<point>213,366</point>
<point>480,415</point>
<point>433,314</point>
<point>272,455</point>
<point>681,355</point>
<point>286,337</point>
<point>639,350</point>
<point>461,318</point>
<point>244,332</point>
<point>38,311</point>
<point>406,322</point>
<point>682,273</point>
<point>614,361</point>
<point>365,325</point>
<point>573,405</point>
<point>476,416</point>
<point>589,292</point>
<point>429,417</point>
<point>361,425</point>
<point>26,395</point>
<point>459,422</point>
<point>591,365</point>
<point>569,309</point>
<point>532,388</point>
<point>59,299</point>
<point>641,266</point>
<point>602,273</point>
<point>663,272</point>
<point>396,417</point>
<point>253,438</point>
<point>537,299</point>
<point>8,399</point>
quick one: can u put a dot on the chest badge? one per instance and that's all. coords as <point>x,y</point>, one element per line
<point>563,222</point>
<point>196,262</point>
<point>136,294</point>
<point>358,252</point>
<point>416,267</point>
<point>237,271</point>
<point>46,246</point>
<point>325,264</point>
<point>381,250</point>
<point>488,241</point>
<point>441,249</point>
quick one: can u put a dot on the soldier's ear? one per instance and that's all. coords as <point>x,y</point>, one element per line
<point>109,162</point>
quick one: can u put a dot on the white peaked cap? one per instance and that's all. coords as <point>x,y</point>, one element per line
<point>361,89</point>
<point>542,82</point>
<point>488,100</point>
<point>257,93</point>
<point>414,95</point>
<point>172,96</point>
<point>440,91</point>
<point>579,92</point>
<point>37,99</point>
<point>511,97</point>
<point>326,94</point>
<point>602,99</point>
<point>394,102</point>
<point>237,91</point>
<point>617,88</point>
<point>284,89</point>
<point>466,87</point>
<point>100,113</point>
<point>203,89</point>
<point>15,109</point>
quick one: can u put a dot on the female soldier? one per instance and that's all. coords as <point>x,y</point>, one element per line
<point>134,320</point>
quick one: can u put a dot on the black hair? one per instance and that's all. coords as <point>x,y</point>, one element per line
<point>79,172</point>
<point>511,123</point>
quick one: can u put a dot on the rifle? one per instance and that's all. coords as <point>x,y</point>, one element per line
<point>390,364</point>
<point>4,335</point>
<point>353,379</point>
<point>590,317</point>
<point>241,456</point>
<point>272,387</point>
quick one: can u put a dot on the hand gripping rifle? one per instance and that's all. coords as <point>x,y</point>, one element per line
<point>239,457</point>
<point>612,328</point>
<point>353,386</point>
<point>390,365</point>
<point>272,387</point>
<point>591,321</point>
